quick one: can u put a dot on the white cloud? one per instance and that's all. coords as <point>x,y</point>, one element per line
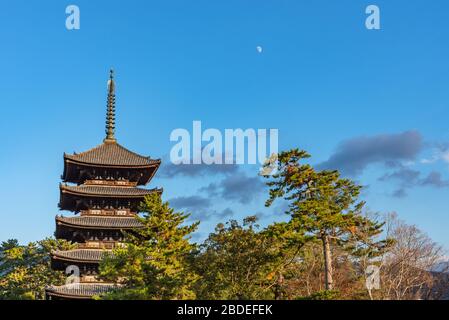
<point>445,156</point>
<point>437,156</point>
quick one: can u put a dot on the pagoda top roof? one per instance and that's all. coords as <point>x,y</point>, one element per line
<point>80,255</point>
<point>111,153</point>
<point>80,290</point>
<point>99,222</point>
<point>107,191</point>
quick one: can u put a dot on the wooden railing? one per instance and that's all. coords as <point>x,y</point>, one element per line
<point>104,245</point>
<point>107,212</point>
<point>125,183</point>
<point>88,278</point>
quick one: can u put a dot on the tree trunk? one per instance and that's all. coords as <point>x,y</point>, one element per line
<point>278,293</point>
<point>329,285</point>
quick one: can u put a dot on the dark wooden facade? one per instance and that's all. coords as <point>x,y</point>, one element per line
<point>102,187</point>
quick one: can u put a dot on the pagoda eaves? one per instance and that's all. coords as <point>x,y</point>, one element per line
<point>79,290</point>
<point>116,159</point>
<point>104,190</point>
<point>98,222</point>
<point>90,197</point>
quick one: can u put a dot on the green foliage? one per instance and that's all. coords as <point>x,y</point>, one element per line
<point>320,201</point>
<point>323,295</point>
<point>25,270</point>
<point>237,261</point>
<point>240,262</point>
<point>153,264</point>
<point>325,205</point>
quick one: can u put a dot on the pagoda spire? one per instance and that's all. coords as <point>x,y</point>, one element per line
<point>110,114</point>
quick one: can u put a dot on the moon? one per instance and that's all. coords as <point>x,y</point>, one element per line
<point>259,49</point>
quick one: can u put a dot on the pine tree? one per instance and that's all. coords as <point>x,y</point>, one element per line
<point>25,270</point>
<point>236,262</point>
<point>153,264</point>
<point>323,204</point>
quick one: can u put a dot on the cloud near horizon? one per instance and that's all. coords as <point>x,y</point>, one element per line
<point>409,178</point>
<point>196,170</point>
<point>237,187</point>
<point>353,156</point>
<point>395,152</point>
<point>200,207</point>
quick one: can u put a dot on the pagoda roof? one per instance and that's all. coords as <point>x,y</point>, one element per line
<point>99,222</point>
<point>107,191</point>
<point>79,290</point>
<point>112,154</point>
<point>80,255</point>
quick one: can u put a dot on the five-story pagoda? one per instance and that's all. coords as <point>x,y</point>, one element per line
<point>101,185</point>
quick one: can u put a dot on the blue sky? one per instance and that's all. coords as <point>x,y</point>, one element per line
<point>373,103</point>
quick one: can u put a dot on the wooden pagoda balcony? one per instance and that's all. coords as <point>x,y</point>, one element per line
<point>108,212</point>
<point>103,182</point>
<point>107,245</point>
<point>88,279</point>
